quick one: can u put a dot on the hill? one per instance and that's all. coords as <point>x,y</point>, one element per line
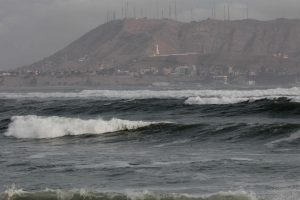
<point>130,43</point>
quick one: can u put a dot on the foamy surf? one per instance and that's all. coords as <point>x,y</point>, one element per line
<point>32,126</point>
<point>83,194</point>
<point>222,100</point>
<point>214,100</point>
<point>200,96</point>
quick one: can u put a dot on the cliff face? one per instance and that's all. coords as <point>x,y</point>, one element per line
<point>127,42</point>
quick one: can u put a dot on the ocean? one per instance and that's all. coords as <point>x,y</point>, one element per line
<point>150,145</point>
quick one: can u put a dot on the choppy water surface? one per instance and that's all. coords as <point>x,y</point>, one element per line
<point>167,145</point>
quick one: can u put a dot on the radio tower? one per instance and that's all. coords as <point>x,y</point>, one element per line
<point>228,7</point>
<point>247,12</point>
<point>175,9</point>
<point>213,10</point>
<point>170,10</point>
<point>298,8</point>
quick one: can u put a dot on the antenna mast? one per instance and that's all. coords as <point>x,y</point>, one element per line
<point>175,11</point>
<point>228,7</point>
<point>214,13</point>
<point>126,9</point>
<point>298,9</point>
<point>134,12</point>
<point>247,10</point>
<point>170,10</point>
<point>142,13</point>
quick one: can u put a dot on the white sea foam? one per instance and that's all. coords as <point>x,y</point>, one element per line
<point>214,100</point>
<point>52,127</point>
<point>13,193</point>
<point>232,100</point>
<point>204,96</point>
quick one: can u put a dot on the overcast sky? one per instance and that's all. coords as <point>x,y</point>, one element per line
<point>33,29</point>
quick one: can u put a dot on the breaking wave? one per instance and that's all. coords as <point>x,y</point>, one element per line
<point>32,126</point>
<point>214,100</point>
<point>195,96</point>
<point>166,133</point>
<point>234,100</point>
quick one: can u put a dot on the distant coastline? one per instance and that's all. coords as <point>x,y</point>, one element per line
<point>149,52</point>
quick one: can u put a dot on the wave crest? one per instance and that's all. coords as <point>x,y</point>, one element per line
<point>32,126</point>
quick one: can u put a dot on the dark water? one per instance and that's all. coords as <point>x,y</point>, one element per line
<point>152,148</point>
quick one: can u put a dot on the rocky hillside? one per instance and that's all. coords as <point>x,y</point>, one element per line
<point>129,42</point>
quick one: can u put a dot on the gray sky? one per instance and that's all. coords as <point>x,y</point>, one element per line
<point>33,29</point>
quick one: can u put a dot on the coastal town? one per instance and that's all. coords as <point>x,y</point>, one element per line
<point>207,75</point>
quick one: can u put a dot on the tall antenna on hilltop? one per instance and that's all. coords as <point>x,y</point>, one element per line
<point>247,12</point>
<point>170,10</point>
<point>298,6</point>
<point>126,9</point>
<point>107,16</point>
<point>134,11</point>
<point>122,11</point>
<point>224,12</point>
<point>175,9</point>
<point>141,14</point>
<point>157,9</point>
<point>214,15</point>
<point>215,8</point>
<point>114,15</point>
<point>228,7</point>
